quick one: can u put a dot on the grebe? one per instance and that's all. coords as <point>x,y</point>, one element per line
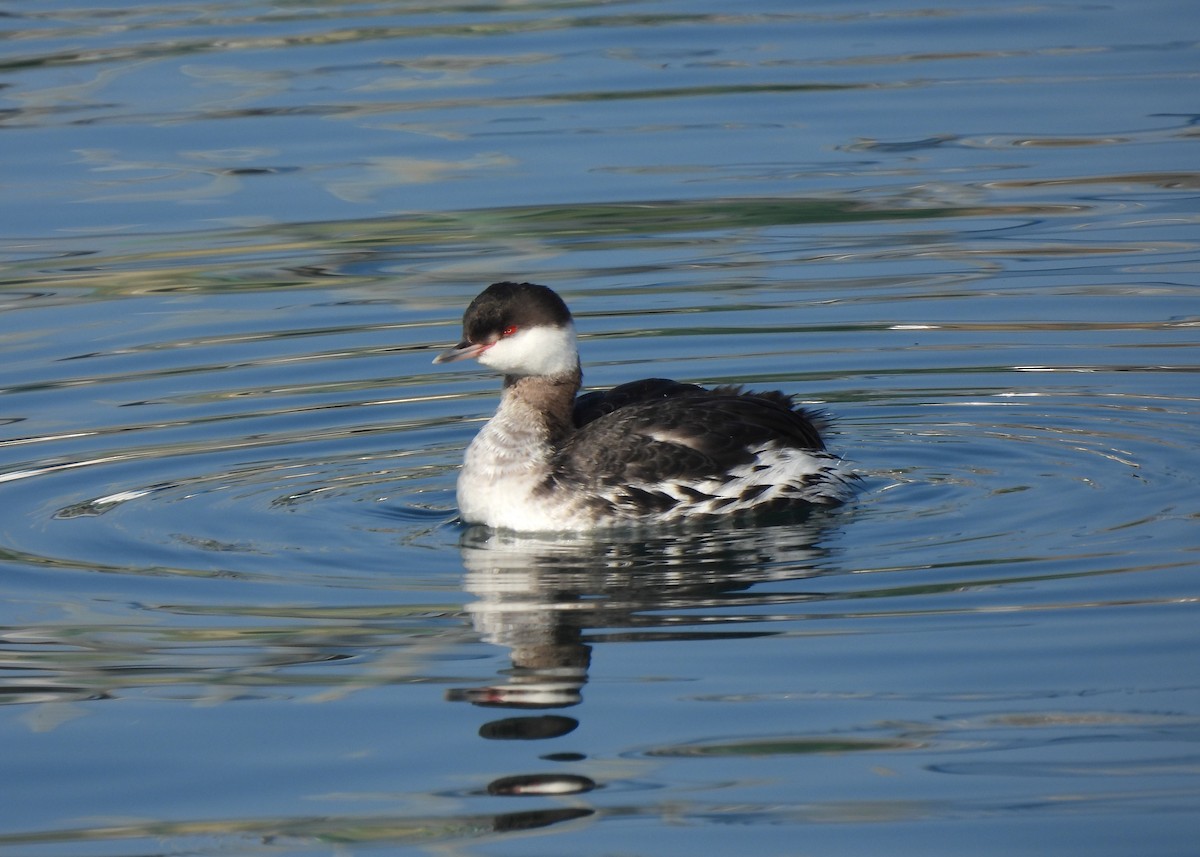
<point>648,451</point>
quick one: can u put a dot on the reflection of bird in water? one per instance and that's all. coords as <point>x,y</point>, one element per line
<point>540,598</point>
<point>548,600</point>
<point>648,451</point>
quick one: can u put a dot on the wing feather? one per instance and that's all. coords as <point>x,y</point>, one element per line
<point>655,431</point>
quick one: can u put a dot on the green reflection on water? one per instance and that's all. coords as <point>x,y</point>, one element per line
<point>307,254</point>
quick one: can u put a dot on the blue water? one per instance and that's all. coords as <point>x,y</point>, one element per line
<point>239,614</point>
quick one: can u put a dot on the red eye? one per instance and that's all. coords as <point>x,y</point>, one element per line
<point>509,331</point>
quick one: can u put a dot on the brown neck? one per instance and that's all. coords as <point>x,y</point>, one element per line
<point>550,396</point>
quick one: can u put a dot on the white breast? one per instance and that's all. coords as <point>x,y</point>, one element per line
<point>504,468</point>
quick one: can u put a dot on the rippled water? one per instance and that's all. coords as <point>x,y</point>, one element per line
<point>239,614</point>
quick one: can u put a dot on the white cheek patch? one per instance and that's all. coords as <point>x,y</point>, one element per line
<point>536,351</point>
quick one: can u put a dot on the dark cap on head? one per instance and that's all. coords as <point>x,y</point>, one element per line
<point>522,305</point>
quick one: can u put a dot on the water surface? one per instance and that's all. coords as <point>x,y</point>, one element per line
<point>240,614</point>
